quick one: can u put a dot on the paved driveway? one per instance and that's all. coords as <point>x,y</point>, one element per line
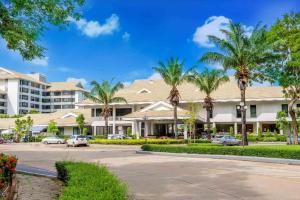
<point>167,177</point>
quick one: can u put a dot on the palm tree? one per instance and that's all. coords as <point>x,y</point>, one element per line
<point>208,82</point>
<point>173,75</point>
<point>248,55</point>
<point>104,94</point>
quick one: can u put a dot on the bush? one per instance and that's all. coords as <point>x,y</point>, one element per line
<point>36,138</point>
<point>145,141</point>
<point>288,152</point>
<point>89,181</point>
<point>7,169</point>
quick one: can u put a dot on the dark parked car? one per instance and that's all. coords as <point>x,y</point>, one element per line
<point>226,140</point>
<point>1,141</point>
<point>89,137</point>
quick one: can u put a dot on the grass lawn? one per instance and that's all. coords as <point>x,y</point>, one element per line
<point>86,181</point>
<point>271,151</point>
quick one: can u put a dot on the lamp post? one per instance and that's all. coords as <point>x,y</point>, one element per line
<point>243,108</point>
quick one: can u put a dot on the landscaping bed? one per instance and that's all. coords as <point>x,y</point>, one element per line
<point>89,181</point>
<point>145,141</point>
<point>288,152</point>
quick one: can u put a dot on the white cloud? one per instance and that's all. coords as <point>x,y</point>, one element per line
<point>40,61</point>
<point>82,80</point>
<point>127,83</point>
<point>212,26</point>
<point>95,29</point>
<point>126,36</point>
<point>154,76</point>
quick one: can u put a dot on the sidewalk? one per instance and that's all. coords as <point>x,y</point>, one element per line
<point>35,171</point>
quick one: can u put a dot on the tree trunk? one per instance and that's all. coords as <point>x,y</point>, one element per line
<point>106,125</point>
<point>294,120</point>
<point>243,112</point>
<point>175,121</point>
<point>208,122</point>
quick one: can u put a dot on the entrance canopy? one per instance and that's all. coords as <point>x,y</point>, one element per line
<point>158,111</point>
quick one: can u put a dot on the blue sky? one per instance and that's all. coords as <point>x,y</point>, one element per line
<point>124,39</point>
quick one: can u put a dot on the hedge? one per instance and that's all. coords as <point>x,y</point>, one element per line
<point>264,138</point>
<point>288,152</point>
<point>86,181</point>
<point>145,141</point>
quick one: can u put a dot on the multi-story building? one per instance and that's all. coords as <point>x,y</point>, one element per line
<point>20,93</point>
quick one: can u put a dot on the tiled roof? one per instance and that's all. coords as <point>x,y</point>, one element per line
<point>60,86</point>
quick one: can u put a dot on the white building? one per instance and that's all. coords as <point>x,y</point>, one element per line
<point>20,93</point>
<point>149,114</point>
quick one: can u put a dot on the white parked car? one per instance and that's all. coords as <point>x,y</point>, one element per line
<point>77,140</point>
<point>53,140</point>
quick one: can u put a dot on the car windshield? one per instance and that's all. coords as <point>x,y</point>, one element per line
<point>81,136</point>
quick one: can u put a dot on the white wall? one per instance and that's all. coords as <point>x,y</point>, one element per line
<point>13,97</point>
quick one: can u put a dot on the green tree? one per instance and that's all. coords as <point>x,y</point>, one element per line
<point>20,125</point>
<point>209,81</point>
<point>285,37</point>
<point>24,21</point>
<point>104,94</point>
<point>80,122</point>
<point>52,127</point>
<point>173,74</point>
<point>281,121</point>
<point>28,124</point>
<point>192,113</point>
<point>249,56</point>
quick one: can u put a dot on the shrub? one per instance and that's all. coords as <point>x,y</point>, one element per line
<point>7,169</point>
<point>89,181</point>
<point>269,139</point>
<point>288,152</point>
<point>145,141</point>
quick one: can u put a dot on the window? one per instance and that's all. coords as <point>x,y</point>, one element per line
<point>57,93</point>
<point>98,112</point>
<point>57,106</point>
<point>57,100</point>
<point>24,97</point>
<point>67,106</point>
<point>2,104</point>
<point>24,82</point>
<point>93,112</point>
<point>2,96</point>
<point>46,107</point>
<point>46,94</point>
<point>36,85</point>
<point>238,112</point>
<point>36,92</point>
<point>123,111</point>
<point>285,108</point>
<point>68,99</point>
<point>68,93</point>
<point>34,99</point>
<point>46,100</point>
<point>24,90</point>
<point>253,111</point>
<point>21,111</point>
<point>23,104</point>
<point>32,105</point>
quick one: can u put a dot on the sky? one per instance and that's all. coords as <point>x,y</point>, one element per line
<point>122,40</point>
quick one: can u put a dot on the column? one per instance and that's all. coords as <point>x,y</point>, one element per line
<point>235,128</point>
<point>185,135</point>
<point>146,128</point>
<point>152,128</point>
<point>257,127</point>
<point>114,120</point>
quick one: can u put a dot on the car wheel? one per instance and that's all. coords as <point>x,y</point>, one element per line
<point>59,142</point>
<point>224,143</point>
<point>74,144</point>
<point>45,142</point>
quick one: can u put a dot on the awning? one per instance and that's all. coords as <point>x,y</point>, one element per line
<point>37,129</point>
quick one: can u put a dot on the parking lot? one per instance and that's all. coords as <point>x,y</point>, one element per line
<point>168,177</point>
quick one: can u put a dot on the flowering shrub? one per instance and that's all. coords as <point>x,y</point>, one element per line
<point>7,169</point>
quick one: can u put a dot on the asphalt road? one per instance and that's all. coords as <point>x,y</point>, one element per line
<point>177,178</point>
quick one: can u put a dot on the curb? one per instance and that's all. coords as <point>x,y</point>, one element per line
<point>226,157</point>
<point>35,171</point>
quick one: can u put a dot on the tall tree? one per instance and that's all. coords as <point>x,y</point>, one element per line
<point>173,74</point>
<point>52,127</point>
<point>104,94</point>
<point>22,22</point>
<point>249,56</point>
<point>285,37</point>
<point>209,81</point>
<point>80,122</point>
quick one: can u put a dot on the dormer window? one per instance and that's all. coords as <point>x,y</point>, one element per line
<point>143,91</point>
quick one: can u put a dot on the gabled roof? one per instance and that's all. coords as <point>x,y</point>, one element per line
<point>62,118</point>
<point>61,86</point>
<point>229,91</point>
<point>10,74</point>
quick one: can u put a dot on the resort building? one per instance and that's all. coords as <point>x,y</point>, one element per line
<point>20,93</point>
<point>148,112</point>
